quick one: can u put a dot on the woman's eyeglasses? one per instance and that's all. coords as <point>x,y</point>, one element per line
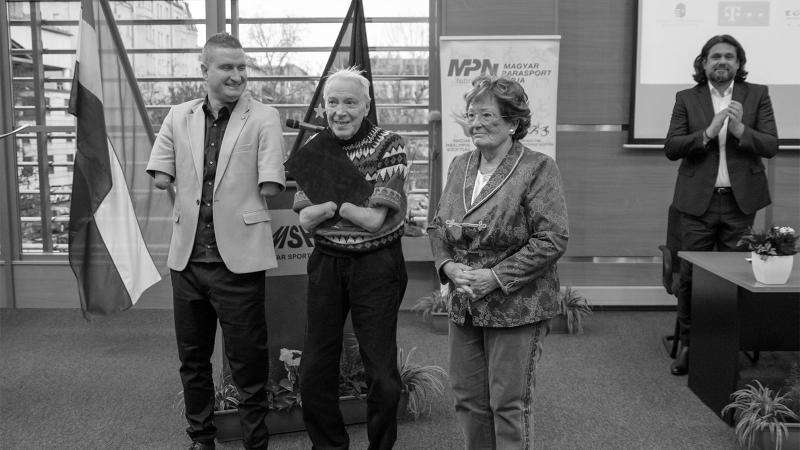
<point>484,118</point>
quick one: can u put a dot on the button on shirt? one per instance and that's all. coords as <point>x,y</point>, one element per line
<point>721,101</point>
<point>205,242</point>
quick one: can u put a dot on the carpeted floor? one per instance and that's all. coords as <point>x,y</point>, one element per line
<point>111,383</point>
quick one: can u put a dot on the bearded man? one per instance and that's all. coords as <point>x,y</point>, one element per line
<point>720,129</point>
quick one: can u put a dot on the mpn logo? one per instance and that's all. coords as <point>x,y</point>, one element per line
<point>466,66</point>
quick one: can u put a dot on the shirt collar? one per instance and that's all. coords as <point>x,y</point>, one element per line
<point>726,93</point>
<point>225,111</point>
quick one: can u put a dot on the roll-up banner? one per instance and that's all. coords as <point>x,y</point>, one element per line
<point>530,60</point>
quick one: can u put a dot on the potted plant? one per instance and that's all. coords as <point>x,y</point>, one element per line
<point>423,384</point>
<point>435,309</point>
<point>764,418</point>
<point>572,309</point>
<point>352,382</point>
<point>283,397</point>
<point>771,253</point>
<point>226,407</point>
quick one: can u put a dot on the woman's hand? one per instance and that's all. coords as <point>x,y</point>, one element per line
<point>455,272</point>
<point>480,282</point>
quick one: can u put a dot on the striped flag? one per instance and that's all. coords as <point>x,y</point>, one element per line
<point>350,49</point>
<point>119,227</point>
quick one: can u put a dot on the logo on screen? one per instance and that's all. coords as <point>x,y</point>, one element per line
<point>744,14</point>
<point>680,10</point>
<point>792,17</point>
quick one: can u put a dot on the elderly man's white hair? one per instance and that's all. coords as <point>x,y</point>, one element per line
<point>349,73</point>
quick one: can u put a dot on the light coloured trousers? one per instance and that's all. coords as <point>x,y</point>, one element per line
<point>492,373</point>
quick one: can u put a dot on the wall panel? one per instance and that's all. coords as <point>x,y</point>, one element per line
<point>5,293</point>
<point>617,199</point>
<point>596,61</point>
<point>505,17</point>
<point>786,188</point>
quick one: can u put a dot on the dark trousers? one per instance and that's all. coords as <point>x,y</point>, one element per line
<point>720,228</point>
<point>202,294</point>
<point>371,287</point>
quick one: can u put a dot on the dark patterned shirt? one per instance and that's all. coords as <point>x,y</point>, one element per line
<point>205,242</point>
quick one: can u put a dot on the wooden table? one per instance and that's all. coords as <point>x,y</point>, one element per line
<point>733,312</point>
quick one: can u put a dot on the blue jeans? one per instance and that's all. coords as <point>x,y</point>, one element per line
<point>370,286</point>
<point>492,372</point>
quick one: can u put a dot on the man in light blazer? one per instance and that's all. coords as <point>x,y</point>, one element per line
<point>720,129</point>
<point>224,154</point>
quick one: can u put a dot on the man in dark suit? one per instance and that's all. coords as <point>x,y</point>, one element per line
<point>720,129</point>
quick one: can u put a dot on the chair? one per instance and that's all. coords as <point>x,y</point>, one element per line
<point>670,271</point>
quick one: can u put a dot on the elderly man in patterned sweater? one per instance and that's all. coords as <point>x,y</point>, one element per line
<point>357,265</point>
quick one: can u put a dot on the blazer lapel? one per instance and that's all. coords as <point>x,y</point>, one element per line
<point>739,92</point>
<point>470,173</point>
<point>196,127</point>
<point>704,100</point>
<point>500,176</point>
<point>738,95</point>
<point>235,125</point>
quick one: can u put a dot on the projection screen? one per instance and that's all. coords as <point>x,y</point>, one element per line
<point>671,34</point>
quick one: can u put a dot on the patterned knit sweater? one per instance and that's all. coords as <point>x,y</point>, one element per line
<point>381,157</point>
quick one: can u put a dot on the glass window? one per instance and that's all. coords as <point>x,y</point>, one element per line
<point>287,44</point>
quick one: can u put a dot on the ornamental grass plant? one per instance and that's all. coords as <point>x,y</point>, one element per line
<point>757,408</point>
<point>423,383</point>
<point>574,307</point>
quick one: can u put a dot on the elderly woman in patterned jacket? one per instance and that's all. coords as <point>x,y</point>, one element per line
<point>500,228</point>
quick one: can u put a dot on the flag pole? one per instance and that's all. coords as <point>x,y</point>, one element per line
<point>126,66</point>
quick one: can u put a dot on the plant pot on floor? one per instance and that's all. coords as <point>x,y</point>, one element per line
<point>354,411</point>
<point>440,322</point>
<point>228,426</point>
<point>558,325</point>
<point>766,441</point>
<point>278,421</point>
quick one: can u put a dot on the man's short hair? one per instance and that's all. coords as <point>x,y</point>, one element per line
<point>219,40</point>
<point>350,73</point>
<point>700,72</point>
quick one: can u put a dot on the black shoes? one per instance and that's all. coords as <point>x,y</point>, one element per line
<point>681,364</point>
<point>202,445</point>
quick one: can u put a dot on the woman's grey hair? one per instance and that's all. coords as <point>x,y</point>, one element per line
<point>349,73</point>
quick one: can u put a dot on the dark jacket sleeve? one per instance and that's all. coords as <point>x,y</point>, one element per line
<point>681,140</point>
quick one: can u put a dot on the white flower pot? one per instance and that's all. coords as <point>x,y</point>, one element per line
<point>773,270</point>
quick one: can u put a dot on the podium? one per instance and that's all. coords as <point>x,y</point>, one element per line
<point>287,284</point>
